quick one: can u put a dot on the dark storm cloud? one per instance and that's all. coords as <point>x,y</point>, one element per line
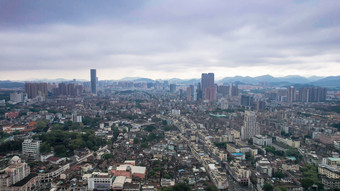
<point>168,36</point>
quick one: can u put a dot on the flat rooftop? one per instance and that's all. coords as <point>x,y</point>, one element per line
<point>25,180</point>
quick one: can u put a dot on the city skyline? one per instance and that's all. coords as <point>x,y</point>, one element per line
<point>150,38</point>
<point>60,78</point>
<point>149,95</point>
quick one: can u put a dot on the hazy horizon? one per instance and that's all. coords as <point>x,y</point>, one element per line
<point>132,78</point>
<point>168,39</point>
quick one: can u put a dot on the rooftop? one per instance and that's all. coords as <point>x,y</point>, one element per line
<point>334,159</point>
<point>25,180</point>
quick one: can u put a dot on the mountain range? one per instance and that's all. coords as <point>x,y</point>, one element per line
<point>329,81</point>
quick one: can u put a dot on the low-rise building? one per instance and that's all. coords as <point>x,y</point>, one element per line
<point>31,148</point>
<point>100,181</point>
<point>262,140</point>
<point>17,176</point>
<point>330,176</point>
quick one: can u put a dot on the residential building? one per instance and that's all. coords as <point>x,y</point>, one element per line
<point>17,177</point>
<point>31,148</point>
<point>100,181</point>
<point>262,140</point>
<point>250,127</point>
<point>36,89</point>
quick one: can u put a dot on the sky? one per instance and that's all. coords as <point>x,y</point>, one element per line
<point>156,39</point>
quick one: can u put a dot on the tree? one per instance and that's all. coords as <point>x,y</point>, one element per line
<point>212,188</point>
<point>144,145</point>
<point>60,151</point>
<point>41,127</point>
<point>181,187</point>
<point>268,187</point>
<point>167,128</point>
<point>157,169</point>
<point>150,128</point>
<point>306,183</point>
<point>11,146</point>
<point>108,156</point>
<point>248,157</point>
<point>230,158</point>
<point>135,141</point>
<point>45,147</point>
<point>221,144</point>
<point>279,174</point>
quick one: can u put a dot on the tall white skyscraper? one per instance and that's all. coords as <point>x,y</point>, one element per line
<point>250,128</point>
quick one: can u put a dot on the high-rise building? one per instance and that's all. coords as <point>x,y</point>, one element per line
<point>62,89</point>
<point>36,89</point>
<point>246,100</point>
<point>234,91</point>
<point>189,97</point>
<point>318,94</point>
<point>304,94</point>
<point>223,90</point>
<point>291,94</point>
<point>31,148</point>
<point>250,128</point>
<point>93,81</point>
<point>211,93</point>
<point>199,92</point>
<point>192,91</point>
<point>260,105</point>
<point>312,94</point>
<point>209,88</point>
<point>172,88</point>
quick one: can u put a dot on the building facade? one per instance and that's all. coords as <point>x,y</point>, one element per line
<point>31,148</point>
<point>93,81</point>
<point>250,127</point>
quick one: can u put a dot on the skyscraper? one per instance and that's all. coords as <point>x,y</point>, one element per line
<point>209,89</point>
<point>291,94</point>
<point>312,94</point>
<point>250,128</point>
<point>199,92</point>
<point>172,88</point>
<point>189,97</point>
<point>234,91</point>
<point>93,81</point>
<point>36,89</point>
<point>223,90</point>
<point>192,91</point>
<point>246,100</point>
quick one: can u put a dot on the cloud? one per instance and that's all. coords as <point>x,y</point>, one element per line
<point>169,38</point>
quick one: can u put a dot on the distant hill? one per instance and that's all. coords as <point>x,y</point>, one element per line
<point>143,80</point>
<point>184,81</point>
<point>267,78</point>
<point>10,84</point>
<point>294,79</point>
<point>246,79</point>
<point>129,78</point>
<point>330,81</point>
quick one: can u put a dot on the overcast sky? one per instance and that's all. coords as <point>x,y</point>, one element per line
<point>165,39</point>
